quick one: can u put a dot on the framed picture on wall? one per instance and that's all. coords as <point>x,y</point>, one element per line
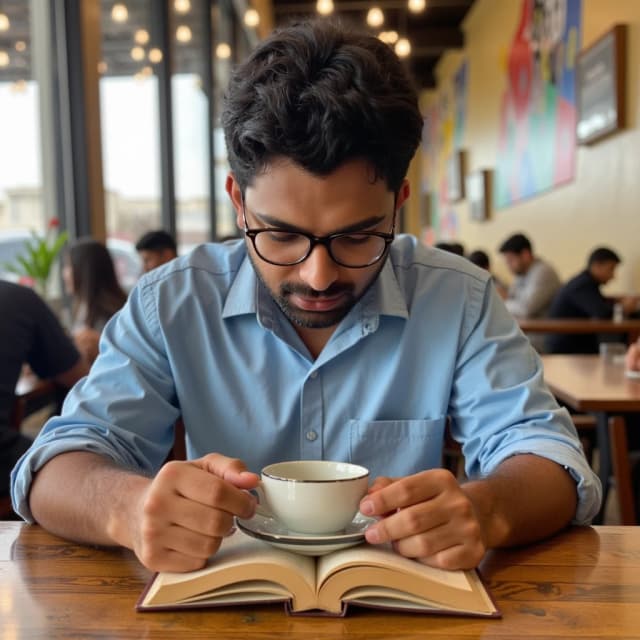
<point>478,189</point>
<point>601,86</point>
<point>455,176</point>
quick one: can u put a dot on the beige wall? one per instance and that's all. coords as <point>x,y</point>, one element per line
<point>602,205</point>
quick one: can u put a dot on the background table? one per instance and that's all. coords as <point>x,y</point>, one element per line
<point>584,583</point>
<point>592,384</point>
<point>630,326</point>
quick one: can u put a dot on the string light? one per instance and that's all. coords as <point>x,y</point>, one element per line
<point>21,46</point>
<point>324,7</point>
<point>403,48</point>
<point>155,55</point>
<point>375,17</point>
<point>4,22</point>
<point>388,37</point>
<point>251,18</point>
<point>416,6</point>
<point>182,6</point>
<point>141,36</point>
<point>4,58</point>
<point>183,33</point>
<point>119,12</point>
<point>223,51</point>
<point>137,53</point>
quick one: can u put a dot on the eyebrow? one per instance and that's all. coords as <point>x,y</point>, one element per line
<point>372,221</point>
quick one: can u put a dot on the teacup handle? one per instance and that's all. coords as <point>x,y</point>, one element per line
<point>261,508</point>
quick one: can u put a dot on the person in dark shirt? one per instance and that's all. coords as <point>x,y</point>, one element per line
<point>29,333</point>
<point>156,248</point>
<point>581,298</point>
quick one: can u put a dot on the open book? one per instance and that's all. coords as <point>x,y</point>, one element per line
<point>249,571</point>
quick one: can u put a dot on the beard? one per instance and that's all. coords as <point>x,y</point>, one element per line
<point>316,319</point>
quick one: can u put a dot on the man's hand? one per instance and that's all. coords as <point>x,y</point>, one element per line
<point>187,510</point>
<point>426,516</point>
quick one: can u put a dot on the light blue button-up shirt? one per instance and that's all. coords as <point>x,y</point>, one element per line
<point>202,338</point>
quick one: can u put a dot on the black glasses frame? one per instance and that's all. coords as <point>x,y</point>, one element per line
<point>325,241</point>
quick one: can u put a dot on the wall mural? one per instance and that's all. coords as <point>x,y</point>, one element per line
<point>537,142</point>
<point>443,133</point>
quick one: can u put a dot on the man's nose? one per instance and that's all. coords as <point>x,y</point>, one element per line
<point>319,270</point>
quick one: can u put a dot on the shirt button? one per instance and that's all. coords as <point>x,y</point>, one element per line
<point>311,436</point>
<point>313,375</point>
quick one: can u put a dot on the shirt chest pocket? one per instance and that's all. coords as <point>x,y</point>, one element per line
<point>396,447</point>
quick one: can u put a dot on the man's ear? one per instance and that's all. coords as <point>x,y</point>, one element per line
<point>233,189</point>
<point>403,193</point>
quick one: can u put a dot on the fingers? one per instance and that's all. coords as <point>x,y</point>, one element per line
<point>232,470</point>
<point>428,517</point>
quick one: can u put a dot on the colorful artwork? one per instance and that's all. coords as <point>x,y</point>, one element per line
<point>443,135</point>
<point>537,145</point>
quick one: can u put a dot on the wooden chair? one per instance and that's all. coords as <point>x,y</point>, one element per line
<point>622,470</point>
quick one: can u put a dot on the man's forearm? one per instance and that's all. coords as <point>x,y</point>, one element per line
<point>85,497</point>
<point>526,499</point>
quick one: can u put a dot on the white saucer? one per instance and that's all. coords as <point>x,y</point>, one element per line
<point>308,544</point>
<point>630,373</point>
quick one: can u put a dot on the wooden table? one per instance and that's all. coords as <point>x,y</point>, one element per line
<point>591,384</point>
<point>584,583</point>
<point>629,326</point>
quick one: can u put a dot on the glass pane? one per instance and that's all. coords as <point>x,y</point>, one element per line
<point>223,56</point>
<point>21,193</point>
<point>130,129</point>
<point>190,124</point>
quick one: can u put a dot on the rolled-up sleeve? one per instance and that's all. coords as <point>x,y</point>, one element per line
<point>501,407</point>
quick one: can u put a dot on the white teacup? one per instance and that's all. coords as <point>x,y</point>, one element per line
<point>313,496</point>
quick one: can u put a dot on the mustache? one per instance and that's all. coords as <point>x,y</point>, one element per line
<point>288,288</point>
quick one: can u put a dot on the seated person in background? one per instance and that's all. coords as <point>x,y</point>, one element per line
<point>580,297</point>
<point>321,335</point>
<point>535,282</point>
<point>29,334</point>
<point>156,248</point>
<point>452,247</point>
<point>90,279</point>
<point>481,259</point>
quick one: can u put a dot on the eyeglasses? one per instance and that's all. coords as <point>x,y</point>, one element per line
<point>355,250</point>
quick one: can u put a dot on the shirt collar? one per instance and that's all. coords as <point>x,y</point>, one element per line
<point>385,297</point>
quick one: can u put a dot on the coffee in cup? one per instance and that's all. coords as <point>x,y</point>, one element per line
<point>312,496</point>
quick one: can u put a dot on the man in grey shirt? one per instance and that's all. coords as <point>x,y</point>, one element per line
<point>535,283</point>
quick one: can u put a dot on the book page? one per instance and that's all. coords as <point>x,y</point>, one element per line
<point>385,556</point>
<point>240,559</point>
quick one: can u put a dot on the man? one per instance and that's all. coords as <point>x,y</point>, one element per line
<point>535,282</point>
<point>581,298</point>
<point>318,337</point>
<point>156,248</point>
<point>29,333</point>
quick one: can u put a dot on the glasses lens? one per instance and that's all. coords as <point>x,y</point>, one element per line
<point>281,247</point>
<point>357,249</point>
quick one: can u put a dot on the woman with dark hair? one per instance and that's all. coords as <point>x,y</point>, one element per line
<point>90,279</point>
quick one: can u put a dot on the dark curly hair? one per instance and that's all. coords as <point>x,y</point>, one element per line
<point>320,94</point>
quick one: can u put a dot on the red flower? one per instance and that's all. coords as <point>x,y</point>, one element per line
<point>54,223</point>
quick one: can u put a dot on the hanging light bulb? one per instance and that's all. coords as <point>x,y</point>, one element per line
<point>388,37</point>
<point>324,7</point>
<point>21,46</point>
<point>182,6</point>
<point>416,6</point>
<point>402,48</point>
<point>223,51</point>
<point>4,58</point>
<point>137,53</point>
<point>4,22</point>
<point>119,12</point>
<point>183,33</point>
<point>251,18</point>
<point>375,17</point>
<point>141,36</point>
<point>103,67</point>
<point>155,55</point>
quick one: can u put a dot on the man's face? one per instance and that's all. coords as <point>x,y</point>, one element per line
<point>603,272</point>
<point>154,258</point>
<point>316,293</point>
<point>517,263</point>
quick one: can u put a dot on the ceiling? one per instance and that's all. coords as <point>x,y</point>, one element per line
<point>431,33</point>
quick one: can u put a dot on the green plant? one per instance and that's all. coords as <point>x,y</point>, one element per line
<point>35,263</point>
